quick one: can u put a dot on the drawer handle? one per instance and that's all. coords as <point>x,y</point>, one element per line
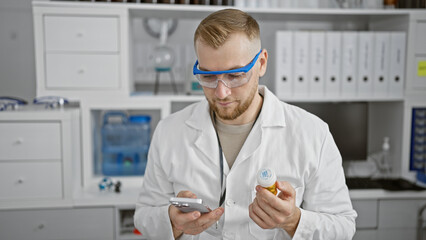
<point>20,180</point>
<point>79,35</point>
<point>19,141</point>
<point>41,226</point>
<point>80,71</point>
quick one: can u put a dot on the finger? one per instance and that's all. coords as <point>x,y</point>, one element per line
<point>266,217</point>
<point>186,194</point>
<point>256,218</point>
<point>207,219</point>
<point>268,200</point>
<point>287,190</point>
<point>180,219</point>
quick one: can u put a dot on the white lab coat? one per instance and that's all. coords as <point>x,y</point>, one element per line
<point>184,155</point>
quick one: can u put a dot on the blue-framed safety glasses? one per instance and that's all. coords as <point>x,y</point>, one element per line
<point>230,78</point>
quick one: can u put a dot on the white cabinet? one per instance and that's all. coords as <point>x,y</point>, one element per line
<point>81,52</point>
<point>398,218</point>
<point>58,224</point>
<point>37,149</point>
<point>367,213</point>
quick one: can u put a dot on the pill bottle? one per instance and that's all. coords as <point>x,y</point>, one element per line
<point>267,179</point>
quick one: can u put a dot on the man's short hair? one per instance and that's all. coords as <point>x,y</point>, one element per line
<point>215,29</point>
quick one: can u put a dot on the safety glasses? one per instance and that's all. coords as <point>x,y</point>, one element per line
<point>230,78</point>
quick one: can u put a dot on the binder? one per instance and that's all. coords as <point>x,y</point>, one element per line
<point>381,64</point>
<point>301,53</point>
<point>397,64</point>
<point>349,64</point>
<point>365,64</point>
<point>284,64</point>
<point>333,64</point>
<point>316,64</point>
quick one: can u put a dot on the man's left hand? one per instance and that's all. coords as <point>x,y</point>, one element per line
<point>270,211</point>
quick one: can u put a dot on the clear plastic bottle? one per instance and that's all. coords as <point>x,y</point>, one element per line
<point>267,179</point>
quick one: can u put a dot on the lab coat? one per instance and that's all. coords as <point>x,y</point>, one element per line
<point>184,155</point>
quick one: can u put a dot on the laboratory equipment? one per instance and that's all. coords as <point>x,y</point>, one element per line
<point>125,143</point>
<point>163,56</point>
<point>11,103</point>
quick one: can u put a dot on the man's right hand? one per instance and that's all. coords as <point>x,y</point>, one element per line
<point>192,223</point>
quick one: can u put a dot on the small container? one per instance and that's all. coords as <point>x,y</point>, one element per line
<point>267,179</point>
<point>125,144</point>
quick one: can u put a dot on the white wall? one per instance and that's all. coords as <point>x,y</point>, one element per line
<point>17,61</point>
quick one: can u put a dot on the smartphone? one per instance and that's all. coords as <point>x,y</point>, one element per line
<point>189,204</point>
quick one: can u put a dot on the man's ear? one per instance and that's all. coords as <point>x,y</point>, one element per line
<point>263,60</point>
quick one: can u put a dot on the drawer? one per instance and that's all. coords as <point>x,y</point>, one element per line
<point>82,71</point>
<point>78,33</point>
<point>30,141</point>
<point>367,213</point>
<point>399,213</point>
<point>30,180</point>
<point>57,224</point>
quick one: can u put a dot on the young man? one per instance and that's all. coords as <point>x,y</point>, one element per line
<point>213,149</point>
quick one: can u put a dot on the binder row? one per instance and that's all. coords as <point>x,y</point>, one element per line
<point>347,64</point>
<point>418,140</point>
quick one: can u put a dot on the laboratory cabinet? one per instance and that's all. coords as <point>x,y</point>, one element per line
<point>37,149</point>
<point>58,223</point>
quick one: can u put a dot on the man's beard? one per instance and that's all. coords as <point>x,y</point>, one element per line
<point>231,114</point>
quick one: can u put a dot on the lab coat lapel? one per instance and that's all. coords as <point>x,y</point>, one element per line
<point>206,139</point>
<point>271,115</point>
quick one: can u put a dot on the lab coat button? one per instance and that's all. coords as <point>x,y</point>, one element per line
<point>228,235</point>
<point>230,202</point>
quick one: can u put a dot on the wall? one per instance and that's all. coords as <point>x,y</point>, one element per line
<point>17,61</point>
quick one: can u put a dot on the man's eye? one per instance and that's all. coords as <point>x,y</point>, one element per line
<point>236,75</point>
<point>208,77</point>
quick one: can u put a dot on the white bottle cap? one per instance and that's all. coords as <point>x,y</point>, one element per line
<point>266,177</point>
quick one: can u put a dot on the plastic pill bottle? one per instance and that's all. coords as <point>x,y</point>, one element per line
<point>267,179</point>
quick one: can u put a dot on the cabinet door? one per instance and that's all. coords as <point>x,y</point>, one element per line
<point>57,224</point>
<point>365,235</point>
<point>367,213</point>
<point>398,218</point>
<point>399,213</point>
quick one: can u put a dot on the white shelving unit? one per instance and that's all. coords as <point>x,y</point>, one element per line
<point>37,154</point>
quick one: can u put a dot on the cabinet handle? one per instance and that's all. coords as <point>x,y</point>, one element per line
<point>41,226</point>
<point>80,71</point>
<point>79,35</point>
<point>20,180</point>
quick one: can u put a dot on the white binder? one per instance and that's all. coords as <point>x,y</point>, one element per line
<point>333,57</point>
<point>365,64</point>
<point>301,53</point>
<point>316,64</point>
<point>284,64</point>
<point>349,64</point>
<point>381,64</point>
<point>397,64</point>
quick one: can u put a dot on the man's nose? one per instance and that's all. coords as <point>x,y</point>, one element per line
<point>222,91</point>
